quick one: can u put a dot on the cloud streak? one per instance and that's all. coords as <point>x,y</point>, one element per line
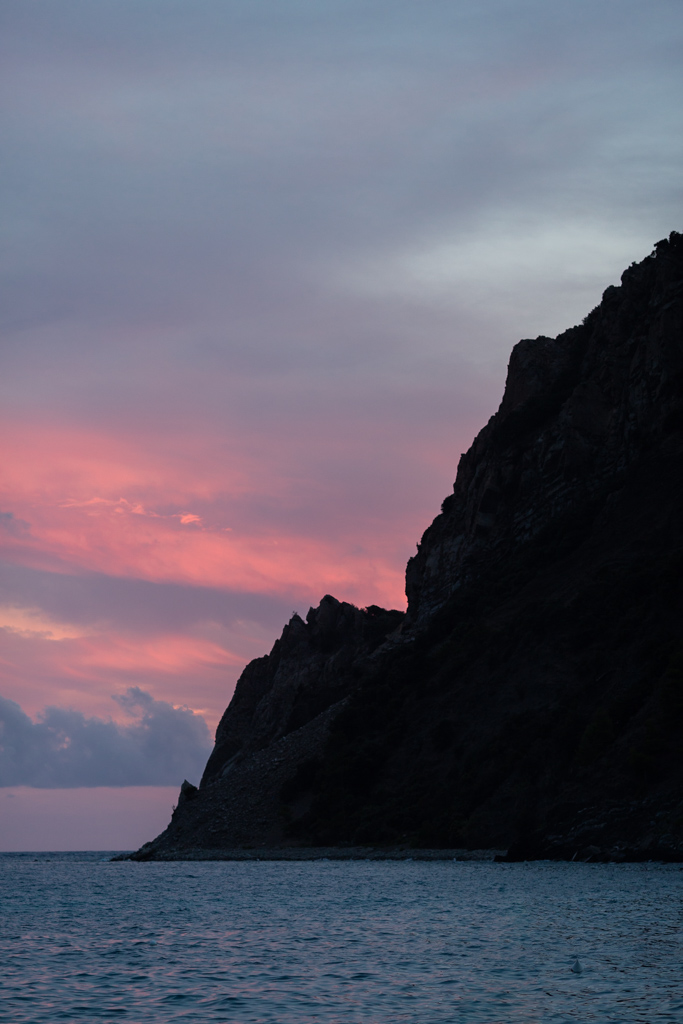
<point>248,521</point>
<point>64,748</point>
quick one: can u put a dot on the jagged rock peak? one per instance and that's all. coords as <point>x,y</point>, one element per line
<point>309,668</point>
<point>577,410</point>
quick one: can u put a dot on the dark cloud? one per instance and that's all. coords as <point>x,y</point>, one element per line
<point>13,525</point>
<point>64,749</point>
<point>253,141</point>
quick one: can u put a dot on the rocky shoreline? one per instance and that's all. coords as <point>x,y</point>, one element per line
<point>561,852</point>
<point>292,853</point>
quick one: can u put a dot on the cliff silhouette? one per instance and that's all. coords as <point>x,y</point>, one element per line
<point>531,698</point>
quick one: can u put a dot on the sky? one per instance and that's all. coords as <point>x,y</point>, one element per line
<point>263,265</point>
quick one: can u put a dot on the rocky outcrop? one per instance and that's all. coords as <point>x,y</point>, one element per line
<point>533,697</point>
<point>311,667</point>
<point>271,739</point>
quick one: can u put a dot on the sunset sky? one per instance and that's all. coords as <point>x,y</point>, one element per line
<point>264,263</point>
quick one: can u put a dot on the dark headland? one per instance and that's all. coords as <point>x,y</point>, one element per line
<point>531,698</point>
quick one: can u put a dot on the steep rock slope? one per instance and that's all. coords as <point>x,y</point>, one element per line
<point>533,698</point>
<point>578,410</point>
<point>310,668</point>
<point>273,733</point>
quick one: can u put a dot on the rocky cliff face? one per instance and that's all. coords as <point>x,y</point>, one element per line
<point>578,410</point>
<point>311,668</point>
<point>533,697</point>
<point>271,739</point>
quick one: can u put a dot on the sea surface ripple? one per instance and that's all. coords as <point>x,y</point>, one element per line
<point>83,939</point>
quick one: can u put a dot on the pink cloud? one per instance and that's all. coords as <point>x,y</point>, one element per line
<point>101,503</point>
<point>83,671</point>
<point>196,510</point>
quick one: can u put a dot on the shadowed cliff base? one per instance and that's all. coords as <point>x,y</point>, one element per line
<point>531,699</point>
<point>297,853</point>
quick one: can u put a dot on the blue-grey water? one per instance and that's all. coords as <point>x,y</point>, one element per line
<point>82,939</point>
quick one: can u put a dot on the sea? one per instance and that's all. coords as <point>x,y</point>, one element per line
<point>338,942</point>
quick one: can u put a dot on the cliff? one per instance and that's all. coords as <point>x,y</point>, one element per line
<point>577,412</point>
<point>533,697</point>
<point>256,782</point>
